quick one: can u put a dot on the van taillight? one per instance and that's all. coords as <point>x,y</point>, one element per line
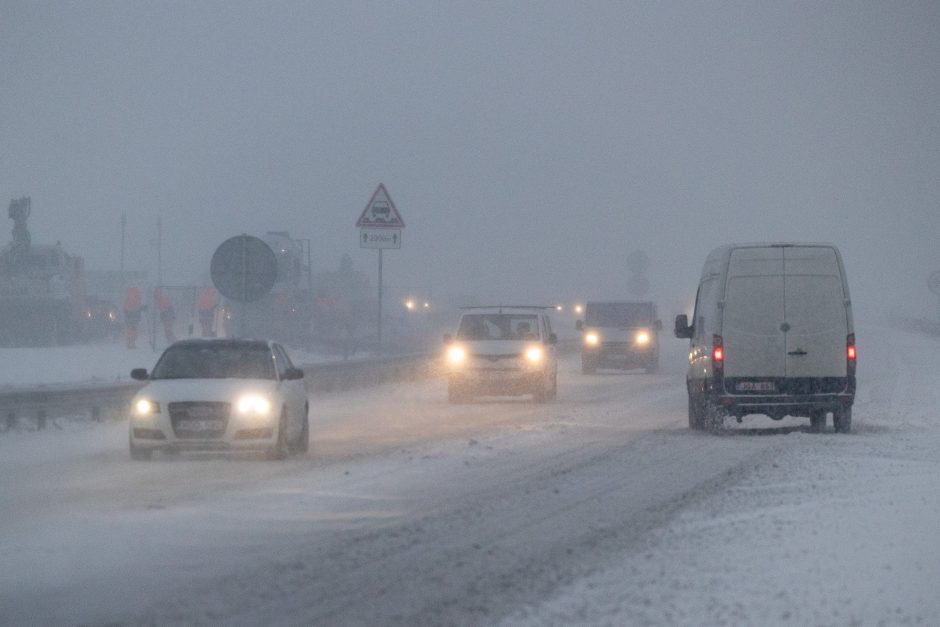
<point>850,354</point>
<point>718,356</point>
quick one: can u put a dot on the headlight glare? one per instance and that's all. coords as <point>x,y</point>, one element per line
<point>253,404</point>
<point>456,354</point>
<point>533,354</point>
<point>643,338</point>
<point>591,339</point>
<point>145,407</point>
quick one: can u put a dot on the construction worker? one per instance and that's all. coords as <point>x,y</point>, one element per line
<point>206,305</point>
<point>132,315</point>
<point>167,314</point>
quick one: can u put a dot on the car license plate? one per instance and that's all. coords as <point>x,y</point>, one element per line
<point>199,425</point>
<point>756,386</point>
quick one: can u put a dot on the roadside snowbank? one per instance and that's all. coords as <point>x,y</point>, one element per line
<point>827,530</point>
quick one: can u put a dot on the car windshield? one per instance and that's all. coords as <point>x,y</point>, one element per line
<point>619,314</point>
<point>499,326</point>
<point>215,361</point>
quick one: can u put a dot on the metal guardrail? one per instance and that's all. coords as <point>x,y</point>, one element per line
<point>98,401</point>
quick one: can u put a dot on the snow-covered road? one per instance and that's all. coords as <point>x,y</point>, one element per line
<point>601,508</point>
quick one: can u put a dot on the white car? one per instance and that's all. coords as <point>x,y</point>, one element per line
<point>502,351</point>
<point>220,395</point>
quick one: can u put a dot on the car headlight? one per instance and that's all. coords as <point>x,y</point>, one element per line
<point>253,404</point>
<point>642,338</point>
<point>591,339</point>
<point>456,355</point>
<point>146,407</point>
<point>534,354</point>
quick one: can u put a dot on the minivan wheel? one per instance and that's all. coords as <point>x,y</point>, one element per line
<point>842,419</point>
<point>817,421</point>
<point>588,365</point>
<point>457,393</point>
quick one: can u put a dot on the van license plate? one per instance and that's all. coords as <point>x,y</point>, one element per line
<point>756,386</point>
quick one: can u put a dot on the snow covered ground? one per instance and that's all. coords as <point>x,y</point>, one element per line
<point>600,509</point>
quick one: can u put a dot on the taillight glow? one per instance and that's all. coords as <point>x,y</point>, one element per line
<point>718,357</point>
<point>850,354</point>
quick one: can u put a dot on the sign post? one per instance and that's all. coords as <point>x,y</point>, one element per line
<point>380,227</point>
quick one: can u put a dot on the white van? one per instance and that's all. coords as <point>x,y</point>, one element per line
<point>772,334</point>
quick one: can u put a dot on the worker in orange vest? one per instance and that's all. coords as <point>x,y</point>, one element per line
<point>167,314</point>
<point>132,315</point>
<point>206,306</point>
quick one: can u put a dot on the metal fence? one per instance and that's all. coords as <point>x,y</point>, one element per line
<point>99,401</point>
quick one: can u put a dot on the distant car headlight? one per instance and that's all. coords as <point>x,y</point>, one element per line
<point>456,355</point>
<point>146,407</point>
<point>253,404</point>
<point>534,354</point>
<point>643,338</point>
<point>591,339</point>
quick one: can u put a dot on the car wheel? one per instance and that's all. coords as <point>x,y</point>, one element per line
<point>842,419</point>
<point>653,367</point>
<point>553,393</point>
<point>817,421</point>
<point>139,454</point>
<point>280,449</point>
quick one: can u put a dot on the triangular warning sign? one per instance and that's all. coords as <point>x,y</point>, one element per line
<point>380,212</point>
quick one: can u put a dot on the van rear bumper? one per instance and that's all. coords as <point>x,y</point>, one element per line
<point>793,397</point>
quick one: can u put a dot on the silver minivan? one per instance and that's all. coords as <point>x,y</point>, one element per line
<point>771,334</point>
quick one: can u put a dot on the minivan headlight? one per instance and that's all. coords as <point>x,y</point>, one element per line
<point>533,354</point>
<point>456,355</point>
<point>591,339</point>
<point>643,338</point>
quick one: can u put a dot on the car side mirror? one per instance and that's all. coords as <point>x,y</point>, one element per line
<point>448,338</point>
<point>292,374</point>
<point>658,325</point>
<point>683,330</point>
<point>139,374</point>
<point>552,339</point>
<point>579,325</point>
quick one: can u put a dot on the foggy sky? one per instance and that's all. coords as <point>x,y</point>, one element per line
<point>530,146</point>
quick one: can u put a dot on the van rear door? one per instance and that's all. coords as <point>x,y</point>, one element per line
<point>815,311</point>
<point>754,343</point>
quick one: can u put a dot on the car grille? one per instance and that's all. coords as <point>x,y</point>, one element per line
<point>199,419</point>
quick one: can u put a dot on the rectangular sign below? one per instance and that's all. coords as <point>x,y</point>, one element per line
<point>379,238</point>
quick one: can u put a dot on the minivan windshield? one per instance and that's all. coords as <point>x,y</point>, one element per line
<point>499,326</point>
<point>215,361</point>
<point>619,314</point>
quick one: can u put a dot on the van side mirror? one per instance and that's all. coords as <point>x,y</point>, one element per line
<point>292,374</point>
<point>683,330</point>
<point>658,325</point>
<point>552,339</point>
<point>579,325</point>
<point>139,374</point>
<point>448,338</point>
